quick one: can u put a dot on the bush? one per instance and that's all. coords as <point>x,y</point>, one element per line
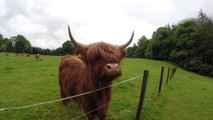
<point>205,69</point>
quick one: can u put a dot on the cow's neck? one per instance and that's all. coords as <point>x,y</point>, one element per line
<point>104,95</point>
<point>96,79</point>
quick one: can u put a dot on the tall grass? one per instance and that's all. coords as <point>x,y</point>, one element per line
<point>25,81</point>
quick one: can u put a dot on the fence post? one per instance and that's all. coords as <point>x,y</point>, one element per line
<point>167,79</point>
<point>173,72</point>
<point>161,80</point>
<point>143,91</point>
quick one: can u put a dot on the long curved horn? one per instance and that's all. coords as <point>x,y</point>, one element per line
<point>74,41</point>
<point>126,44</point>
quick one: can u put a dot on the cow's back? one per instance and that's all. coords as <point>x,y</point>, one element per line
<point>70,69</point>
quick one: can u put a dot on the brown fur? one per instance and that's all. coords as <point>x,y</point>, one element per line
<point>79,75</point>
<point>37,56</point>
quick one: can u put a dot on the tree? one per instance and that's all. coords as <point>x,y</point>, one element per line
<point>68,48</point>
<point>8,46</point>
<point>188,44</point>
<point>205,37</point>
<point>5,44</point>
<point>37,50</point>
<point>2,45</point>
<point>58,51</point>
<point>148,51</point>
<point>141,47</point>
<point>162,43</point>
<point>205,48</point>
<point>194,46</point>
<point>21,44</point>
<point>202,18</point>
<point>131,51</point>
<point>185,53</point>
<point>1,39</point>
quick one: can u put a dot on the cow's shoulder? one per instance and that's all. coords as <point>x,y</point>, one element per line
<point>72,61</point>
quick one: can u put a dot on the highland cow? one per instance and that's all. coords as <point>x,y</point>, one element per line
<point>37,56</point>
<point>97,66</point>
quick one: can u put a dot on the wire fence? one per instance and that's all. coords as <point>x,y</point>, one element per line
<point>169,76</point>
<point>70,97</point>
<point>91,111</point>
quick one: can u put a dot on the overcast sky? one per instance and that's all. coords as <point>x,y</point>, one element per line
<point>44,22</point>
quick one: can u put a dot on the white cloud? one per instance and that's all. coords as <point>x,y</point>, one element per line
<point>44,22</point>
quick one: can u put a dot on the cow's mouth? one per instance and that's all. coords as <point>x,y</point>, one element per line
<point>111,75</point>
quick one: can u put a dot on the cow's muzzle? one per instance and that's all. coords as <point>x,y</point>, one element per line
<point>112,69</point>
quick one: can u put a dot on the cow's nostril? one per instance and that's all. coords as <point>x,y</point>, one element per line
<point>109,66</point>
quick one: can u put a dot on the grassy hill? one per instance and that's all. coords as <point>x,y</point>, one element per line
<point>25,81</point>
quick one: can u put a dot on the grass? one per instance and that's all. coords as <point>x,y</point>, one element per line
<point>25,81</point>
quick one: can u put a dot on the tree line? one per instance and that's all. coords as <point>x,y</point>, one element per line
<point>189,44</point>
<point>19,44</point>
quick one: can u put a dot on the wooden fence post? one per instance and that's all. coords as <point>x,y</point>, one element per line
<point>173,72</point>
<point>143,91</point>
<point>167,78</point>
<point>161,80</point>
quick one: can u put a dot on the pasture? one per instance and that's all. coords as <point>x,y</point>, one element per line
<point>25,81</point>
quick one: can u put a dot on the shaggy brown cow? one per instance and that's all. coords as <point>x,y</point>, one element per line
<point>96,68</point>
<point>37,57</point>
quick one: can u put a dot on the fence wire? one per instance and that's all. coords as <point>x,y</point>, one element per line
<point>91,111</point>
<point>70,97</point>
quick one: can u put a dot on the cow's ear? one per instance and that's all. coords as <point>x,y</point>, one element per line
<point>81,52</point>
<point>123,53</point>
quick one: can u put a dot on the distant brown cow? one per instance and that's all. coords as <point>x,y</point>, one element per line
<point>96,68</point>
<point>37,56</point>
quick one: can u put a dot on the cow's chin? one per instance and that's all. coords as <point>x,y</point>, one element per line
<point>110,76</point>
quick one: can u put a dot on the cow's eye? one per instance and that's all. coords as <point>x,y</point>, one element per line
<point>97,57</point>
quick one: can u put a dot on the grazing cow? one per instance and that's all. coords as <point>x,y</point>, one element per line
<point>37,56</point>
<point>96,67</point>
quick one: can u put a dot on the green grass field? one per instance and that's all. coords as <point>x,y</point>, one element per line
<point>25,81</point>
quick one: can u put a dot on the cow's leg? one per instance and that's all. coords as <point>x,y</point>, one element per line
<point>63,95</point>
<point>63,91</point>
<point>91,116</point>
<point>102,112</point>
<point>87,108</point>
<point>102,103</point>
